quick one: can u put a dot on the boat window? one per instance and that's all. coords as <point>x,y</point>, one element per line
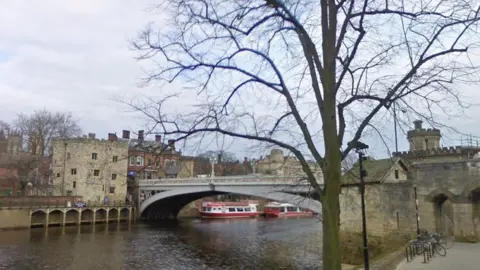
<point>239,209</point>
<point>291,209</point>
<point>204,209</point>
<point>282,209</point>
<point>231,209</point>
<point>209,209</point>
<point>248,209</point>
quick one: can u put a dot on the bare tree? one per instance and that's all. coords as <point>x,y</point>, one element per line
<point>223,155</point>
<point>272,70</point>
<point>30,173</point>
<point>39,128</point>
<point>4,127</point>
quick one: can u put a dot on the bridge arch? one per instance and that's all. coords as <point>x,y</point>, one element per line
<point>168,203</point>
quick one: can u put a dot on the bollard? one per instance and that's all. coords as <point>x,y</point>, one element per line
<point>406,253</point>
<point>424,256</point>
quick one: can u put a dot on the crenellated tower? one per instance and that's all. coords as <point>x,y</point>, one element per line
<point>423,139</point>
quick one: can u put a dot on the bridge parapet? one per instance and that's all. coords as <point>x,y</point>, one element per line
<point>230,180</point>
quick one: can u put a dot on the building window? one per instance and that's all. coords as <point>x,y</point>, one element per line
<point>94,156</point>
<point>139,161</point>
<point>149,175</point>
<point>58,174</point>
<point>115,159</point>
<point>73,171</point>
<point>149,162</point>
<point>69,155</point>
<point>112,189</point>
<point>96,172</point>
<point>114,176</point>
<point>133,160</point>
<point>74,184</point>
<point>397,174</point>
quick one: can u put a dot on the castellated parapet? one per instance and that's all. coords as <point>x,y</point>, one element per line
<point>423,139</point>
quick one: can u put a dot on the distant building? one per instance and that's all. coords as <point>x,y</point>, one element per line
<point>90,167</point>
<point>10,142</point>
<point>277,164</point>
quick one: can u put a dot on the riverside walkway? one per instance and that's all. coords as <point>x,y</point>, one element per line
<point>461,256</point>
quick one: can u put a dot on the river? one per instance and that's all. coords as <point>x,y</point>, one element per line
<point>190,244</point>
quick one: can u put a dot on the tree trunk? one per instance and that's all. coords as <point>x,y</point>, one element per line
<point>331,221</point>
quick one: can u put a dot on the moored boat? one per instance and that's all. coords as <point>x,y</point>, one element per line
<point>276,209</point>
<point>228,210</point>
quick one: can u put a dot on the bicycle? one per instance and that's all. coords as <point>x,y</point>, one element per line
<point>445,241</point>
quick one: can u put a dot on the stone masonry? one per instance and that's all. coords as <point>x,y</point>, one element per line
<point>91,168</point>
<point>447,182</point>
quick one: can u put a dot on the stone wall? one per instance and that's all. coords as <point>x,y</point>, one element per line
<point>445,196</point>
<point>37,200</point>
<point>14,218</point>
<point>389,208</point>
<point>74,168</point>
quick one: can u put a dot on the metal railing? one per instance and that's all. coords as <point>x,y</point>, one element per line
<point>272,180</point>
<point>61,204</point>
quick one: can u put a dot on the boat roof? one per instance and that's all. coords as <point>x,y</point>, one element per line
<point>228,204</point>
<point>277,204</point>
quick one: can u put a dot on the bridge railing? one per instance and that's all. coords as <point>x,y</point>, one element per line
<point>271,180</point>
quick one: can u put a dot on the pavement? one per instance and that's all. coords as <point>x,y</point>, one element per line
<point>461,256</point>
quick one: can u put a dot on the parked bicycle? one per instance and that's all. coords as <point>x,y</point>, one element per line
<point>430,241</point>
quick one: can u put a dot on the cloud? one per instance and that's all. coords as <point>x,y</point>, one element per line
<point>75,56</point>
<point>71,56</point>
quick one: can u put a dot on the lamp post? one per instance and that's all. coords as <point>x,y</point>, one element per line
<point>416,208</point>
<point>395,124</point>
<point>359,147</point>
<point>253,163</point>
<point>213,161</point>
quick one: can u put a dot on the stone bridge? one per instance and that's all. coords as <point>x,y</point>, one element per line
<point>164,198</point>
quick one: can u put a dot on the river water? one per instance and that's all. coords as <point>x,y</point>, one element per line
<point>191,244</point>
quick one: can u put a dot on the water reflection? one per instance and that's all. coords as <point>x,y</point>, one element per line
<point>197,244</point>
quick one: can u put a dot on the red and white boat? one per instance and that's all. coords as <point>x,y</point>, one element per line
<point>276,209</point>
<point>229,210</point>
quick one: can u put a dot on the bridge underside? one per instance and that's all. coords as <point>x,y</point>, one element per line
<point>165,205</point>
<point>168,208</point>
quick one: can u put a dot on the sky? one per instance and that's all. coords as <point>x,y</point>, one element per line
<point>75,56</point>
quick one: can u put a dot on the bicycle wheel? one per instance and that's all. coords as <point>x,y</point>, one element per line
<point>440,250</point>
<point>447,241</point>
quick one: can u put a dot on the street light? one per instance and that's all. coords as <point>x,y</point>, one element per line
<point>416,208</point>
<point>395,124</point>
<point>253,163</point>
<point>213,161</point>
<point>359,147</point>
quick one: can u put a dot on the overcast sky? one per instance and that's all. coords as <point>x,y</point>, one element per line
<point>75,56</point>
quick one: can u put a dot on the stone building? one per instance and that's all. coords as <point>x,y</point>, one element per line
<point>90,167</point>
<point>276,163</point>
<point>10,142</point>
<point>447,182</point>
<point>388,198</point>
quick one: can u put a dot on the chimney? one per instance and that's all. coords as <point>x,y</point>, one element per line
<point>125,134</point>
<point>112,137</point>
<point>171,143</point>
<point>158,138</point>
<point>91,135</point>
<point>140,134</point>
<point>418,124</point>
